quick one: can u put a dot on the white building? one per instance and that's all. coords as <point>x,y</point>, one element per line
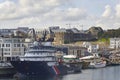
<point>90,47</point>
<point>93,48</point>
<point>11,47</point>
<point>114,43</point>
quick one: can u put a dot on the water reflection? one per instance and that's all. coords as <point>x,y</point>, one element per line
<point>108,73</point>
<point>40,78</point>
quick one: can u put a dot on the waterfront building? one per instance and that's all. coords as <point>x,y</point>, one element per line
<point>114,43</point>
<point>91,48</point>
<point>78,51</point>
<point>70,49</point>
<point>11,47</point>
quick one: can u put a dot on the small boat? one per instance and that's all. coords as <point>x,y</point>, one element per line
<point>100,64</point>
<point>86,61</point>
<point>6,69</point>
<point>94,61</point>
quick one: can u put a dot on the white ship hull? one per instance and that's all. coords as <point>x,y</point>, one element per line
<point>97,65</point>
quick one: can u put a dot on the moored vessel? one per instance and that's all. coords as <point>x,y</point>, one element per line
<point>6,69</point>
<point>99,64</point>
<point>40,59</point>
<point>94,61</point>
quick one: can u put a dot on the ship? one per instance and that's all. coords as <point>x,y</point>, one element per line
<point>40,59</point>
<point>6,69</point>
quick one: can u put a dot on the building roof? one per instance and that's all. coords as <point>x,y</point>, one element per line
<point>59,30</point>
<point>74,30</point>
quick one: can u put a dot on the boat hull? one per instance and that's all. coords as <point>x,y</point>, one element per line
<point>7,71</point>
<point>41,68</point>
<point>97,65</point>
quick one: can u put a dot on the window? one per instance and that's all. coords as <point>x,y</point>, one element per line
<point>15,45</point>
<point>6,53</point>
<point>22,45</point>
<point>8,41</point>
<point>6,49</point>
<point>2,45</point>
<point>18,45</point>
<point>14,49</point>
<point>7,45</point>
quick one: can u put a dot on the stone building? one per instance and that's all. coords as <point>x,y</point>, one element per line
<point>64,36</point>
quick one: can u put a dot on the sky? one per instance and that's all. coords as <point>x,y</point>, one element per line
<point>81,14</point>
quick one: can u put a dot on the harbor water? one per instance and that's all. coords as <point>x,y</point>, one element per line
<point>107,73</point>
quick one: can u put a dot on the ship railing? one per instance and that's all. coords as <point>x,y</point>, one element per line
<point>39,56</point>
<point>37,59</point>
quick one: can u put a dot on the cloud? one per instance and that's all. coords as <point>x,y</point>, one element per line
<point>25,8</point>
<point>38,6</point>
<point>110,17</point>
<point>107,12</point>
<point>29,20</point>
<point>117,8</point>
<point>7,10</point>
<point>75,14</point>
<point>56,11</point>
<point>43,9</point>
<point>70,14</point>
